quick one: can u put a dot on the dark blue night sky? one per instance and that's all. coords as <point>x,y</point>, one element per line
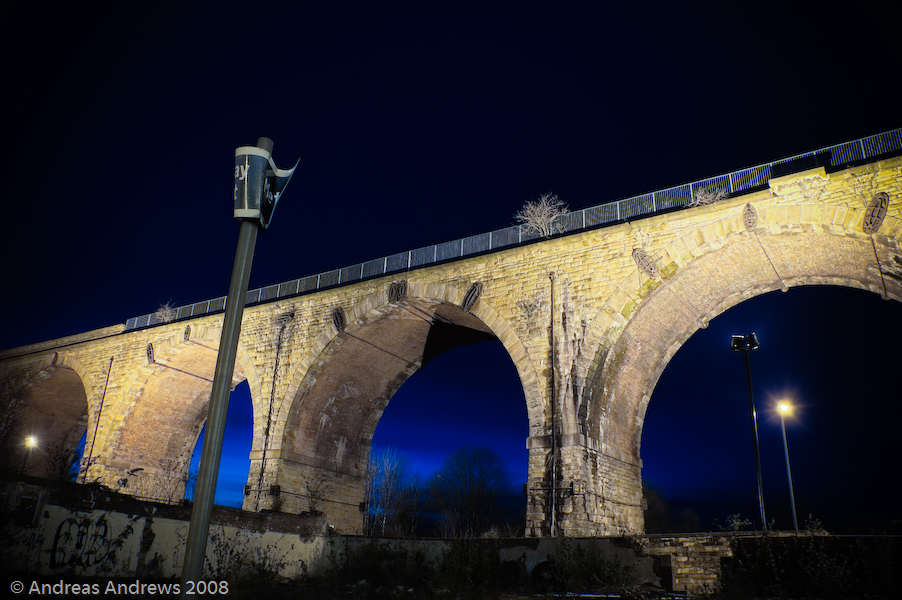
<point>420,125</point>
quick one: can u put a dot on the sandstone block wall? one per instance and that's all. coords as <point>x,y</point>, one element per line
<point>589,319</point>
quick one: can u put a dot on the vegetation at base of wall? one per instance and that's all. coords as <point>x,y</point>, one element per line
<point>378,567</point>
<point>468,568</point>
<point>578,567</point>
<point>812,566</point>
<point>235,558</point>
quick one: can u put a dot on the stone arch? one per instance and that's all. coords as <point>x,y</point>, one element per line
<point>163,413</point>
<point>52,407</point>
<point>725,259</point>
<point>373,306</point>
<point>704,275</point>
<point>332,407</point>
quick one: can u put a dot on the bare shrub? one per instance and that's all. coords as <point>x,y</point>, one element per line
<point>583,566</point>
<point>736,522</point>
<point>235,557</point>
<point>166,313</point>
<point>61,462</point>
<point>814,526</point>
<point>170,487</point>
<point>318,489</point>
<point>539,216</point>
<point>532,308</point>
<point>705,195</point>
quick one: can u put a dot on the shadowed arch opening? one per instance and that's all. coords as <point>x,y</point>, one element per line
<point>235,462</point>
<point>50,411</point>
<point>333,417</point>
<point>832,352</point>
<point>469,396</point>
<point>742,266</point>
<point>670,309</point>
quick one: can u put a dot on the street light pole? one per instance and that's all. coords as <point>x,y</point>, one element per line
<point>208,471</point>
<point>745,344</point>
<point>258,186</point>
<point>30,443</point>
<point>785,408</point>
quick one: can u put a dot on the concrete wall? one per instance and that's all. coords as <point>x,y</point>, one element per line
<point>70,530</point>
<point>92,532</point>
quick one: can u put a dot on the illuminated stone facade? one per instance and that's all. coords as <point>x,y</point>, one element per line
<point>590,321</point>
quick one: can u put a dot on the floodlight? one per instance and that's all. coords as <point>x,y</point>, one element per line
<point>744,343</point>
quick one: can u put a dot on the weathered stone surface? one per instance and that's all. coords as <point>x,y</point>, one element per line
<point>319,390</point>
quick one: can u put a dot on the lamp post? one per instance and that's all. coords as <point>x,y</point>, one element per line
<point>745,344</point>
<point>258,187</point>
<point>785,408</point>
<point>31,442</point>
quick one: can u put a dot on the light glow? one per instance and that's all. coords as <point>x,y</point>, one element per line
<point>31,441</point>
<point>785,408</point>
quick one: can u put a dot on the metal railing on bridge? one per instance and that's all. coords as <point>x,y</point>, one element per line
<point>731,184</point>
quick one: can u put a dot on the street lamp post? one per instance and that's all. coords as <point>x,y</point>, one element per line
<point>258,186</point>
<point>745,344</point>
<point>31,442</point>
<point>785,408</point>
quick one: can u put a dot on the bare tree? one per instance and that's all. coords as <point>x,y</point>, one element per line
<point>468,491</point>
<point>392,495</point>
<point>540,216</point>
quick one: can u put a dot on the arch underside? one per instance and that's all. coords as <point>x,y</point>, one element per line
<point>334,414</point>
<point>152,451</point>
<point>54,411</point>
<point>746,266</point>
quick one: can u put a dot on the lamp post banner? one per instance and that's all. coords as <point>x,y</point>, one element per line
<point>258,184</point>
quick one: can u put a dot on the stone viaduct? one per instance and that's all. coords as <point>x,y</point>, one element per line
<point>590,319</point>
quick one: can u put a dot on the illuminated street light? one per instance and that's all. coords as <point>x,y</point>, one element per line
<point>31,442</point>
<point>745,344</point>
<point>785,408</point>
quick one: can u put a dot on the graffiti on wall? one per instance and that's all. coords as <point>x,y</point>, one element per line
<point>82,542</point>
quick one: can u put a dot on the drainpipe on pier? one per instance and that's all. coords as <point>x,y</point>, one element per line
<point>272,398</point>
<point>106,385</point>
<point>553,402</point>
